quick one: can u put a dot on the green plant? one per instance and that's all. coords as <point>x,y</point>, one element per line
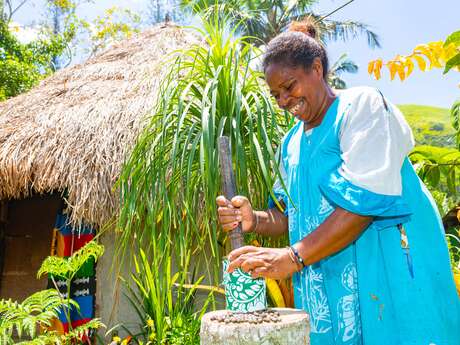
<point>23,65</point>
<point>453,240</point>
<point>38,310</point>
<point>67,268</point>
<point>342,65</point>
<point>35,311</point>
<point>264,19</point>
<point>439,168</point>
<point>164,304</point>
<point>170,182</point>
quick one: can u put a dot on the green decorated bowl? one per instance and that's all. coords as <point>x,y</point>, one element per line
<point>243,293</point>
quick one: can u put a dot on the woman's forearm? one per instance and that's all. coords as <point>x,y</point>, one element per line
<point>339,230</point>
<point>271,222</point>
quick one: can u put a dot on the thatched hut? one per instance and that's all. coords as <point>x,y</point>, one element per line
<point>65,142</point>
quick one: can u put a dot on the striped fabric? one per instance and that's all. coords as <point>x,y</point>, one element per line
<point>66,241</point>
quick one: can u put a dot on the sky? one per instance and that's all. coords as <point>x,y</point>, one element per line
<point>400,24</point>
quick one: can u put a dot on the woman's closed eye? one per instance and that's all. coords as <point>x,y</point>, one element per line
<point>290,86</point>
<point>275,95</point>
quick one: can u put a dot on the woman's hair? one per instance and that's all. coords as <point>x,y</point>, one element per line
<point>297,47</point>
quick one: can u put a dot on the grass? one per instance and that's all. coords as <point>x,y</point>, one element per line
<point>430,125</point>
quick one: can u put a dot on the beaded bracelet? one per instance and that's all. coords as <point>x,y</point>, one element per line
<point>297,256</point>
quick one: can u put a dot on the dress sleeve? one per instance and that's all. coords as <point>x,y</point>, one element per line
<point>279,187</point>
<point>374,142</point>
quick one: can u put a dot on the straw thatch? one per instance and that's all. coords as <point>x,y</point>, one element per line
<point>72,132</point>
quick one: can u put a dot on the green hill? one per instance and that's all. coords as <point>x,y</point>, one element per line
<point>430,125</point>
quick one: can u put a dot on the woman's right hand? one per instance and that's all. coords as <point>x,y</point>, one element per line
<point>238,210</point>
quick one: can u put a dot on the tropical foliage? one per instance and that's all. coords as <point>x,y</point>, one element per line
<point>165,305</point>
<point>56,41</point>
<point>68,267</point>
<point>23,65</point>
<point>426,56</point>
<point>265,19</point>
<point>342,65</point>
<point>170,182</point>
<point>31,320</point>
<point>114,25</point>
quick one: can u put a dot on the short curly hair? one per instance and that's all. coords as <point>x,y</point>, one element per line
<point>296,48</point>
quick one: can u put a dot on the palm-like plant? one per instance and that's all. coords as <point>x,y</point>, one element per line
<point>342,65</point>
<point>264,19</point>
<point>170,182</point>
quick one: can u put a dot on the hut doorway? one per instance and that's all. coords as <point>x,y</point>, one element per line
<point>26,230</point>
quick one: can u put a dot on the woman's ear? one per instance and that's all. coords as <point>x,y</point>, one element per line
<point>317,67</point>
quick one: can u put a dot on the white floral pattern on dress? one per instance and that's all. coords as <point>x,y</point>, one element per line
<point>349,327</point>
<point>317,304</point>
<point>325,207</point>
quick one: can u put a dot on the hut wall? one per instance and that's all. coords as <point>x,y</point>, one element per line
<point>27,235</point>
<point>112,305</point>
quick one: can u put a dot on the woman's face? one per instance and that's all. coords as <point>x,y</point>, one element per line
<point>298,91</point>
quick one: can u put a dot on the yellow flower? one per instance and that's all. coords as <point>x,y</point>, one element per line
<point>150,322</point>
<point>116,339</point>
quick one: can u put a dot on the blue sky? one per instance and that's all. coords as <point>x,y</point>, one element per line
<point>401,25</point>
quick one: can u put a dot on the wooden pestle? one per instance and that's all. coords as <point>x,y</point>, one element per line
<point>228,186</point>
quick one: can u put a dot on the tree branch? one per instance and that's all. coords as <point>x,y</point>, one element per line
<point>23,2</point>
<point>10,10</point>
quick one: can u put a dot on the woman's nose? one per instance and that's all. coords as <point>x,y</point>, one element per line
<point>283,100</point>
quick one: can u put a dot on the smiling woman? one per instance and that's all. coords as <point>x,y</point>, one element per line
<point>298,81</point>
<point>368,256</point>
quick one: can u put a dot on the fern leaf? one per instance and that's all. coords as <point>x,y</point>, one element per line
<point>65,267</point>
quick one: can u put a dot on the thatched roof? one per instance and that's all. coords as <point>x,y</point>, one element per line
<point>73,131</point>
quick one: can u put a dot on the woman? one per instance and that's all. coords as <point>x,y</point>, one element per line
<point>368,255</point>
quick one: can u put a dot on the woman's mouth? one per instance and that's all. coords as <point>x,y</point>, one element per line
<point>296,108</point>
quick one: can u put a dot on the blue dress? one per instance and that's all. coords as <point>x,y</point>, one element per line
<point>394,284</point>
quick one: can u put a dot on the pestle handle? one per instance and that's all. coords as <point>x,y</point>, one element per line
<point>229,186</point>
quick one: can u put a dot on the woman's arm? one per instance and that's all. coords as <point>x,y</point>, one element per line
<point>271,222</point>
<point>338,230</point>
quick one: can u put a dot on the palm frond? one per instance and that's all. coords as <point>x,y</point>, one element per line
<point>344,64</point>
<point>333,30</point>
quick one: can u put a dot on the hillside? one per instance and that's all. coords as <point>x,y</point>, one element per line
<point>431,125</point>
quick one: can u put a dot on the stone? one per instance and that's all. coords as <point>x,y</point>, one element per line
<point>280,326</point>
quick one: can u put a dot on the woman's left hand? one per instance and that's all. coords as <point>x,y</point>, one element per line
<point>275,263</point>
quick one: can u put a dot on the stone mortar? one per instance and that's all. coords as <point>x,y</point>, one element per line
<point>284,326</point>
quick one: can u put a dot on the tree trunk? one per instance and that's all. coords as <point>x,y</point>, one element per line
<point>294,329</point>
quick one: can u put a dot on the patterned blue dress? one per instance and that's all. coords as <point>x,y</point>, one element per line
<point>394,284</point>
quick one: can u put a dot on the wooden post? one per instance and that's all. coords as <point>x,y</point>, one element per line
<point>294,329</point>
<point>229,186</point>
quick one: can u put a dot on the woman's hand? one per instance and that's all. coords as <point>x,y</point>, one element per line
<point>231,213</point>
<point>275,263</point>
